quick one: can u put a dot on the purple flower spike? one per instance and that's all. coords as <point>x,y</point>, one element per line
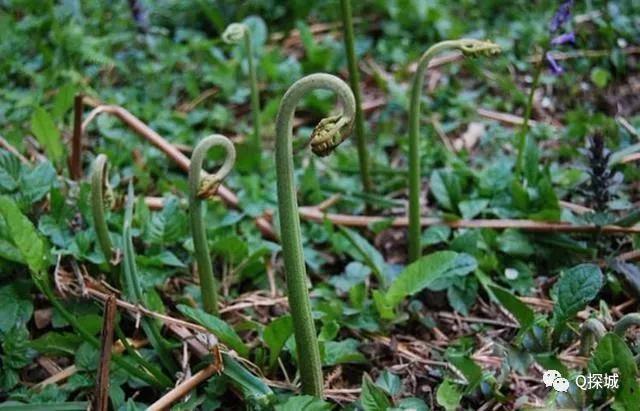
<point>564,39</point>
<point>562,16</point>
<point>553,64</point>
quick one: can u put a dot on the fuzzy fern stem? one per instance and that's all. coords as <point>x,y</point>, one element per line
<point>469,47</point>
<point>199,189</point>
<point>327,135</point>
<point>354,82</point>
<point>102,197</point>
<point>234,33</point>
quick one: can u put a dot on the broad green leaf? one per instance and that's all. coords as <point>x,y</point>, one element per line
<point>600,77</point>
<point>517,308</point>
<point>613,355</point>
<point>16,307</point>
<point>422,273</point>
<point>57,343</point>
<point>367,253</point>
<point>471,371</point>
<point>515,243</point>
<point>24,235</point>
<point>389,382</point>
<point>448,395</point>
<point>63,100</point>
<point>225,333</point>
<point>47,133</point>
<point>574,290</point>
<point>373,398</point>
<point>342,352</point>
<point>63,406</point>
<point>276,335</point>
<point>253,388</point>
<point>304,403</point>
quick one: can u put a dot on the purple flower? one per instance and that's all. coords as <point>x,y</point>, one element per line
<point>562,16</point>
<point>564,39</point>
<point>553,64</point>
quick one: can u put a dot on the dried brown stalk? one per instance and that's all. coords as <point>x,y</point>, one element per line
<point>184,388</point>
<point>101,401</point>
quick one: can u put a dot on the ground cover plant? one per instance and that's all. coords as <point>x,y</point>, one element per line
<point>470,243</point>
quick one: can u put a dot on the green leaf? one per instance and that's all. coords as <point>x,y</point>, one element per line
<point>24,236</point>
<point>517,308</point>
<point>57,343</point>
<point>373,398</point>
<point>574,290</point>
<point>276,335</point>
<point>46,132</point>
<point>471,371</point>
<point>389,382</point>
<point>225,333</point>
<point>16,307</point>
<point>63,406</point>
<point>367,253</point>
<point>471,208</point>
<point>600,77</point>
<point>424,272</point>
<point>63,100</point>
<point>435,235</point>
<point>613,355</point>
<point>515,243</point>
<point>342,352</point>
<point>448,395</point>
<point>304,403</point>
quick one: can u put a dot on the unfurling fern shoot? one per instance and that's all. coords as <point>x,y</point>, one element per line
<point>102,197</point>
<point>327,135</point>
<point>469,47</point>
<point>233,34</point>
<point>199,189</point>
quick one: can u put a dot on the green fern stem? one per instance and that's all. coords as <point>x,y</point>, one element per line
<point>327,135</point>
<point>591,331</point>
<point>199,189</point>
<point>354,82</point>
<point>102,197</point>
<point>233,34</point>
<point>469,47</point>
<point>625,322</point>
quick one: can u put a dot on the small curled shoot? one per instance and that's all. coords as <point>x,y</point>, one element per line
<point>233,34</point>
<point>469,48</point>
<point>591,331</point>
<point>200,188</point>
<point>102,197</point>
<point>624,323</point>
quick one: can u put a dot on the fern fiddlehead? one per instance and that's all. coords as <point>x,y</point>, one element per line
<point>591,331</point>
<point>469,47</point>
<point>327,135</point>
<point>233,34</point>
<point>101,198</point>
<point>199,189</point>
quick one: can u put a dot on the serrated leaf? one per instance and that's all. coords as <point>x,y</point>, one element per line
<point>424,272</point>
<point>24,235</point>
<point>373,398</point>
<point>225,333</point>
<point>47,133</point>
<point>574,290</point>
